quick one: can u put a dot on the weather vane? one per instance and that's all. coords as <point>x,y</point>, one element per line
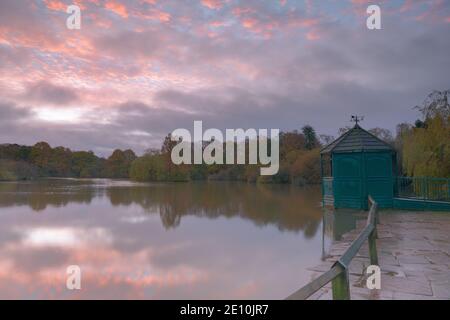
<point>357,119</point>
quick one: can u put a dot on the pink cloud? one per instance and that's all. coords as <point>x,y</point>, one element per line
<point>153,14</point>
<point>264,24</point>
<point>58,5</point>
<point>212,4</point>
<point>55,5</point>
<point>117,8</point>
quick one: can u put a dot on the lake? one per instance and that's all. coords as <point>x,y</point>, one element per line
<point>205,240</point>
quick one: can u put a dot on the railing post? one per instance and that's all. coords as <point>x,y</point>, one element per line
<point>341,286</point>
<point>374,232</point>
<point>373,247</point>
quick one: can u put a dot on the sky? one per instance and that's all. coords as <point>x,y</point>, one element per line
<point>138,69</point>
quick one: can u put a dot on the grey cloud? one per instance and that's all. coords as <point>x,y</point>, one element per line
<point>18,125</point>
<point>44,91</point>
<point>10,113</point>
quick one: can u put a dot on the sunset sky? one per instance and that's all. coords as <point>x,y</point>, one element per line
<point>139,69</point>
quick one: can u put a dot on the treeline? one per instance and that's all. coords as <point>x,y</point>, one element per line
<point>299,163</point>
<point>18,162</point>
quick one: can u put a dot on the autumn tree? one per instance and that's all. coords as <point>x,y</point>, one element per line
<point>60,162</point>
<point>85,164</point>
<point>426,148</point>
<point>40,156</point>
<point>306,167</point>
<point>290,141</point>
<point>149,167</point>
<point>118,164</point>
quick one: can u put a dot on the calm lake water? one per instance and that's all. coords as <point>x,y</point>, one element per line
<point>161,241</point>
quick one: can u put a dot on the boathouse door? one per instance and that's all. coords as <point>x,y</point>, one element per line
<point>380,177</point>
<point>348,183</point>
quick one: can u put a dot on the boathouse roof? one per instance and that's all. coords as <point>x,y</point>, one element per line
<point>356,140</point>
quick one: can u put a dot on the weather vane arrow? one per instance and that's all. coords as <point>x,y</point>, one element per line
<point>357,119</point>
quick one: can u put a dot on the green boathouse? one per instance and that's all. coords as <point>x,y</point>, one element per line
<point>359,164</point>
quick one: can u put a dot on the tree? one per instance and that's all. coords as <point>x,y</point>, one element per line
<point>149,168</point>
<point>343,130</point>
<point>144,169</point>
<point>306,168</point>
<point>310,137</point>
<point>383,134</point>
<point>290,141</point>
<point>168,144</point>
<point>166,151</point>
<point>118,164</point>
<point>86,165</point>
<point>425,150</point>
<point>60,162</point>
<point>40,156</point>
<point>426,147</point>
<point>436,103</point>
<point>402,131</point>
<point>326,139</point>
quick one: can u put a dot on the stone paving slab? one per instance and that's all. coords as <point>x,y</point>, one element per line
<point>414,255</point>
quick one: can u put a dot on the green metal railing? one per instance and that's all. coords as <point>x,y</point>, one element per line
<point>423,188</point>
<point>338,275</point>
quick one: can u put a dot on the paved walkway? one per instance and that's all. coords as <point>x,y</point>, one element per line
<point>414,256</point>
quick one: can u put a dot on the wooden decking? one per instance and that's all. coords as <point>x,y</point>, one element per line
<point>414,256</point>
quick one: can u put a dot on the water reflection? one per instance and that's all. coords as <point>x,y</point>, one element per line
<point>261,204</point>
<point>198,240</point>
